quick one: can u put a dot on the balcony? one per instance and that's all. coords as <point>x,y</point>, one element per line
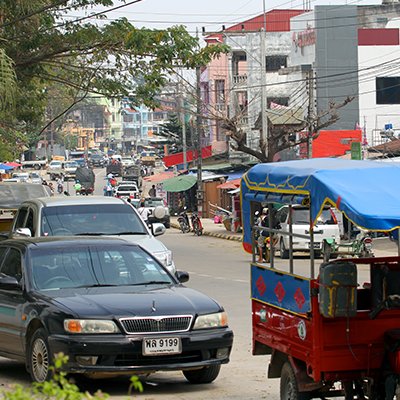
<point>240,81</point>
<point>221,108</point>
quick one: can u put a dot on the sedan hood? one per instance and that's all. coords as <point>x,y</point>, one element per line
<point>148,242</point>
<point>129,301</point>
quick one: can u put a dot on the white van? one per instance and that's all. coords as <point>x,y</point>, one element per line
<point>326,227</point>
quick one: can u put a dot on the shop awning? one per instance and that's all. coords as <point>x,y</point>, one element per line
<point>5,167</point>
<point>229,185</point>
<point>12,164</point>
<point>179,183</point>
<point>157,178</point>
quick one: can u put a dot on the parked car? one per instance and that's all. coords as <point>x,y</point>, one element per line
<point>327,227</point>
<point>89,215</point>
<point>110,307</point>
<point>55,169</point>
<point>158,212</point>
<point>127,191</point>
<point>20,176</point>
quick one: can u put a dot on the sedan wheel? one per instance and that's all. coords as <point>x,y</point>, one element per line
<point>39,357</point>
<point>203,375</point>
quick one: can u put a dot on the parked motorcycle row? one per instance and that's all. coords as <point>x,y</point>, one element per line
<point>185,222</point>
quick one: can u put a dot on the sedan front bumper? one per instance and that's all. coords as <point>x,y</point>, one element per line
<point>118,354</point>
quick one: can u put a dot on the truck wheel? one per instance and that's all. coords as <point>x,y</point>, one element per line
<point>203,375</point>
<point>289,389</point>
<point>36,167</point>
<point>284,252</point>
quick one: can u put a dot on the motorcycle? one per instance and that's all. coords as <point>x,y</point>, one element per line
<point>196,224</point>
<point>183,221</point>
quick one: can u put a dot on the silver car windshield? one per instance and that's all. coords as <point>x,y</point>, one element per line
<point>91,266</point>
<point>99,219</point>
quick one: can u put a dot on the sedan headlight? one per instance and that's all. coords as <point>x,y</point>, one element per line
<point>165,257</point>
<point>90,326</point>
<point>216,320</point>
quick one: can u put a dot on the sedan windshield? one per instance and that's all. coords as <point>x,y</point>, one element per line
<point>92,266</point>
<point>99,219</point>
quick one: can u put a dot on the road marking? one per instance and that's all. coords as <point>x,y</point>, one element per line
<point>218,277</point>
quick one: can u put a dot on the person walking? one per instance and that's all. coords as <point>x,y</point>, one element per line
<point>108,189</point>
<point>153,191</point>
<point>60,184</point>
<point>143,212</point>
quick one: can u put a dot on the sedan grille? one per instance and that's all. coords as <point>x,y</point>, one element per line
<point>164,324</point>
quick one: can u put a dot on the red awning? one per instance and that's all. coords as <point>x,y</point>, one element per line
<point>162,176</point>
<point>233,184</point>
<point>12,164</point>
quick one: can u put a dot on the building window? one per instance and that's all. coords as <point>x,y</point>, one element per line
<point>275,63</point>
<point>387,90</point>
<point>277,101</point>
<point>220,91</point>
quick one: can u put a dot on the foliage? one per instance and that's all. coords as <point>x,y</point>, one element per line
<point>172,130</point>
<point>59,388</point>
<point>46,47</point>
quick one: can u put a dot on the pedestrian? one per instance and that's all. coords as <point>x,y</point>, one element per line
<point>153,191</point>
<point>181,203</point>
<point>109,188</point>
<point>77,187</point>
<point>143,212</point>
<point>60,184</point>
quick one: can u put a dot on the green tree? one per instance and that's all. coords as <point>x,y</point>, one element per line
<point>172,130</point>
<point>86,55</point>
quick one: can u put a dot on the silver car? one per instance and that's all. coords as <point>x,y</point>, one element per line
<point>90,216</point>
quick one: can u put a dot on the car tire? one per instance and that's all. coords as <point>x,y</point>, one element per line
<point>39,357</point>
<point>284,252</point>
<point>203,375</point>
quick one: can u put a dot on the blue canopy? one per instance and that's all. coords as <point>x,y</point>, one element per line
<point>367,192</point>
<point>5,167</point>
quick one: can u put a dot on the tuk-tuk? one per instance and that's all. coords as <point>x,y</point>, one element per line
<point>333,331</point>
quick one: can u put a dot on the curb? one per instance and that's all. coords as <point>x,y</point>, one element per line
<point>213,234</point>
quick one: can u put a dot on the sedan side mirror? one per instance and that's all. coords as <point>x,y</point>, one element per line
<point>23,232</point>
<point>182,276</point>
<point>9,282</point>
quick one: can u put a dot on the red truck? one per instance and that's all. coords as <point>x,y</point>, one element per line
<point>334,331</point>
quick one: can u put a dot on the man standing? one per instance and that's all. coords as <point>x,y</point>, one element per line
<point>153,191</point>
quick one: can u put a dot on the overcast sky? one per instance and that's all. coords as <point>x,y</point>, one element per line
<point>211,14</point>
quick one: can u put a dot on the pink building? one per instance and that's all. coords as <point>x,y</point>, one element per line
<point>225,84</point>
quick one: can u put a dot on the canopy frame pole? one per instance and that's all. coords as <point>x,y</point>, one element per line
<point>398,242</point>
<point>271,235</point>
<point>312,259</point>
<point>291,266</point>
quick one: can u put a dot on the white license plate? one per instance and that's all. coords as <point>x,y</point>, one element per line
<point>157,346</point>
<point>316,245</point>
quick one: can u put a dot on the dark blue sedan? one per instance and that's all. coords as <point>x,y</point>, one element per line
<point>110,306</point>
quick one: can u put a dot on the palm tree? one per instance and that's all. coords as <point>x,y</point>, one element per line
<point>8,82</point>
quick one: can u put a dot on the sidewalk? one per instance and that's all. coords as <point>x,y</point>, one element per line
<point>212,229</point>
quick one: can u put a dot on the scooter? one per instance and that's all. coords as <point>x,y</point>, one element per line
<point>183,221</point>
<point>196,224</point>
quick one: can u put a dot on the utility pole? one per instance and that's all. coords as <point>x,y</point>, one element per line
<point>183,122</point>
<point>310,117</point>
<point>264,119</point>
<point>200,193</point>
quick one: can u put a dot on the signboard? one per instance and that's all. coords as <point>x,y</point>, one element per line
<point>356,153</point>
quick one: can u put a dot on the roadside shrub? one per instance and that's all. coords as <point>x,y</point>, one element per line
<point>59,387</point>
